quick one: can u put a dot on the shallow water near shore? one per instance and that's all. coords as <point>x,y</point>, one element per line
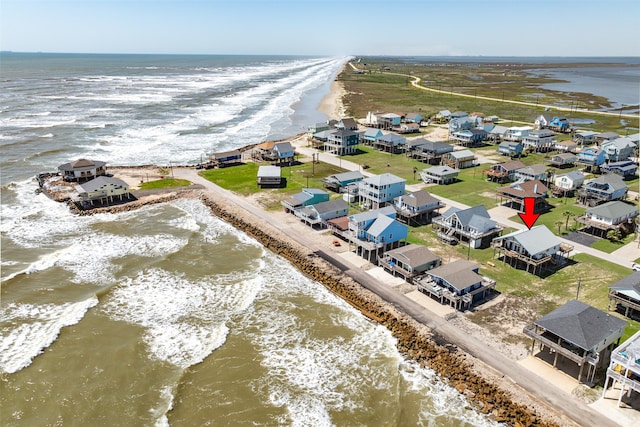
<point>167,315</point>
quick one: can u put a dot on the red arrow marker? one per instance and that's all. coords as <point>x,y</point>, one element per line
<point>528,217</point>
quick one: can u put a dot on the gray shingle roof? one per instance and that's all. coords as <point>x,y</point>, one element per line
<point>534,241</point>
<point>614,209</point>
<point>460,274</point>
<point>100,181</point>
<point>413,255</point>
<point>331,205</point>
<point>580,324</point>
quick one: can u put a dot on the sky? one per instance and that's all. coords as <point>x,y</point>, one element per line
<point>324,27</point>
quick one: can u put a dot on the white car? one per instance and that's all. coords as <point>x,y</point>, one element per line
<point>635,266</point>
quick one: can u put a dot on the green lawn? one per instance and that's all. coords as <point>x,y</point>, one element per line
<point>164,183</point>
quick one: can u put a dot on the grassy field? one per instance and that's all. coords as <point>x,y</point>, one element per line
<point>583,276</point>
<point>164,183</point>
<point>381,91</point>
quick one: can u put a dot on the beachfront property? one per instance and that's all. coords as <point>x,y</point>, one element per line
<point>376,231</point>
<point>428,151</point>
<point>624,368</point>
<point>529,173</point>
<point>618,149</point>
<point>578,332</point>
<point>517,133</point>
<point>316,128</point>
<point>82,170</point>
<point>469,137</point>
<point>563,160</point>
<point>566,146</point>
<point>591,156</point>
<point>439,175</point>
<point>308,196</point>
<point>341,142</point>
<point>459,159</point>
<point>615,215</point>
<point>380,190</point>
<point>457,284</point>
<point>409,261</point>
<point>101,190</point>
<point>270,176</point>
<point>510,148</point>
<point>533,249</point>
<point>226,158</point>
<point>340,181</point>
<point>624,295</point>
<point>271,151</point>
<point>503,172</point>
<point>417,206</point>
<point>473,225</point>
<point>321,213</point>
<point>517,192</point>
<point>567,183</point>
<point>625,168</point>
<point>541,140</point>
<point>603,189</point>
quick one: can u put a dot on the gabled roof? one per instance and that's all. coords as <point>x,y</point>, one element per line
<point>367,215</point>
<point>499,130</point>
<point>573,175</point>
<point>283,147</point>
<point>512,165</point>
<point>533,170</point>
<point>607,135</point>
<point>393,138</point>
<point>613,180</point>
<point>413,255</point>
<point>630,283</point>
<point>536,240</point>
<point>268,145</point>
<point>346,176</point>
<point>465,215</point>
<point>580,324</point>
<point>378,226</point>
<point>101,181</point>
<point>565,156</point>
<point>270,171</point>
<point>419,198</point>
<point>372,132</point>
<point>349,123</point>
<point>614,209</point>
<point>82,164</point>
<point>436,146</point>
<point>460,274</point>
<point>533,188</point>
<point>330,206</point>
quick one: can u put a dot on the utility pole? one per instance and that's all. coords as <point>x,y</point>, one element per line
<point>578,291</point>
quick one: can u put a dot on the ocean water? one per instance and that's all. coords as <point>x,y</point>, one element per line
<point>167,315</point>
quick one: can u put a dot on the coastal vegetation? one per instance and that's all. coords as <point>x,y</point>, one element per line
<point>385,86</point>
<point>164,183</point>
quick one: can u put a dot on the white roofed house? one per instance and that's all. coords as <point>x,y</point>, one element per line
<point>439,175</point>
<point>380,190</point>
<point>473,225</point>
<point>567,183</point>
<point>459,159</point>
<point>614,215</point>
<point>101,190</point>
<point>540,140</point>
<point>270,176</point>
<point>535,248</point>
<point>416,206</point>
<point>82,170</point>
<point>529,173</point>
<point>618,149</point>
<point>542,121</point>
<point>315,128</point>
<point>517,133</point>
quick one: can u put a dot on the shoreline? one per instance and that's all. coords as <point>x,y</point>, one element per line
<point>490,391</point>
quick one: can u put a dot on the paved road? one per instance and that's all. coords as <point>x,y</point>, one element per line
<point>529,381</point>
